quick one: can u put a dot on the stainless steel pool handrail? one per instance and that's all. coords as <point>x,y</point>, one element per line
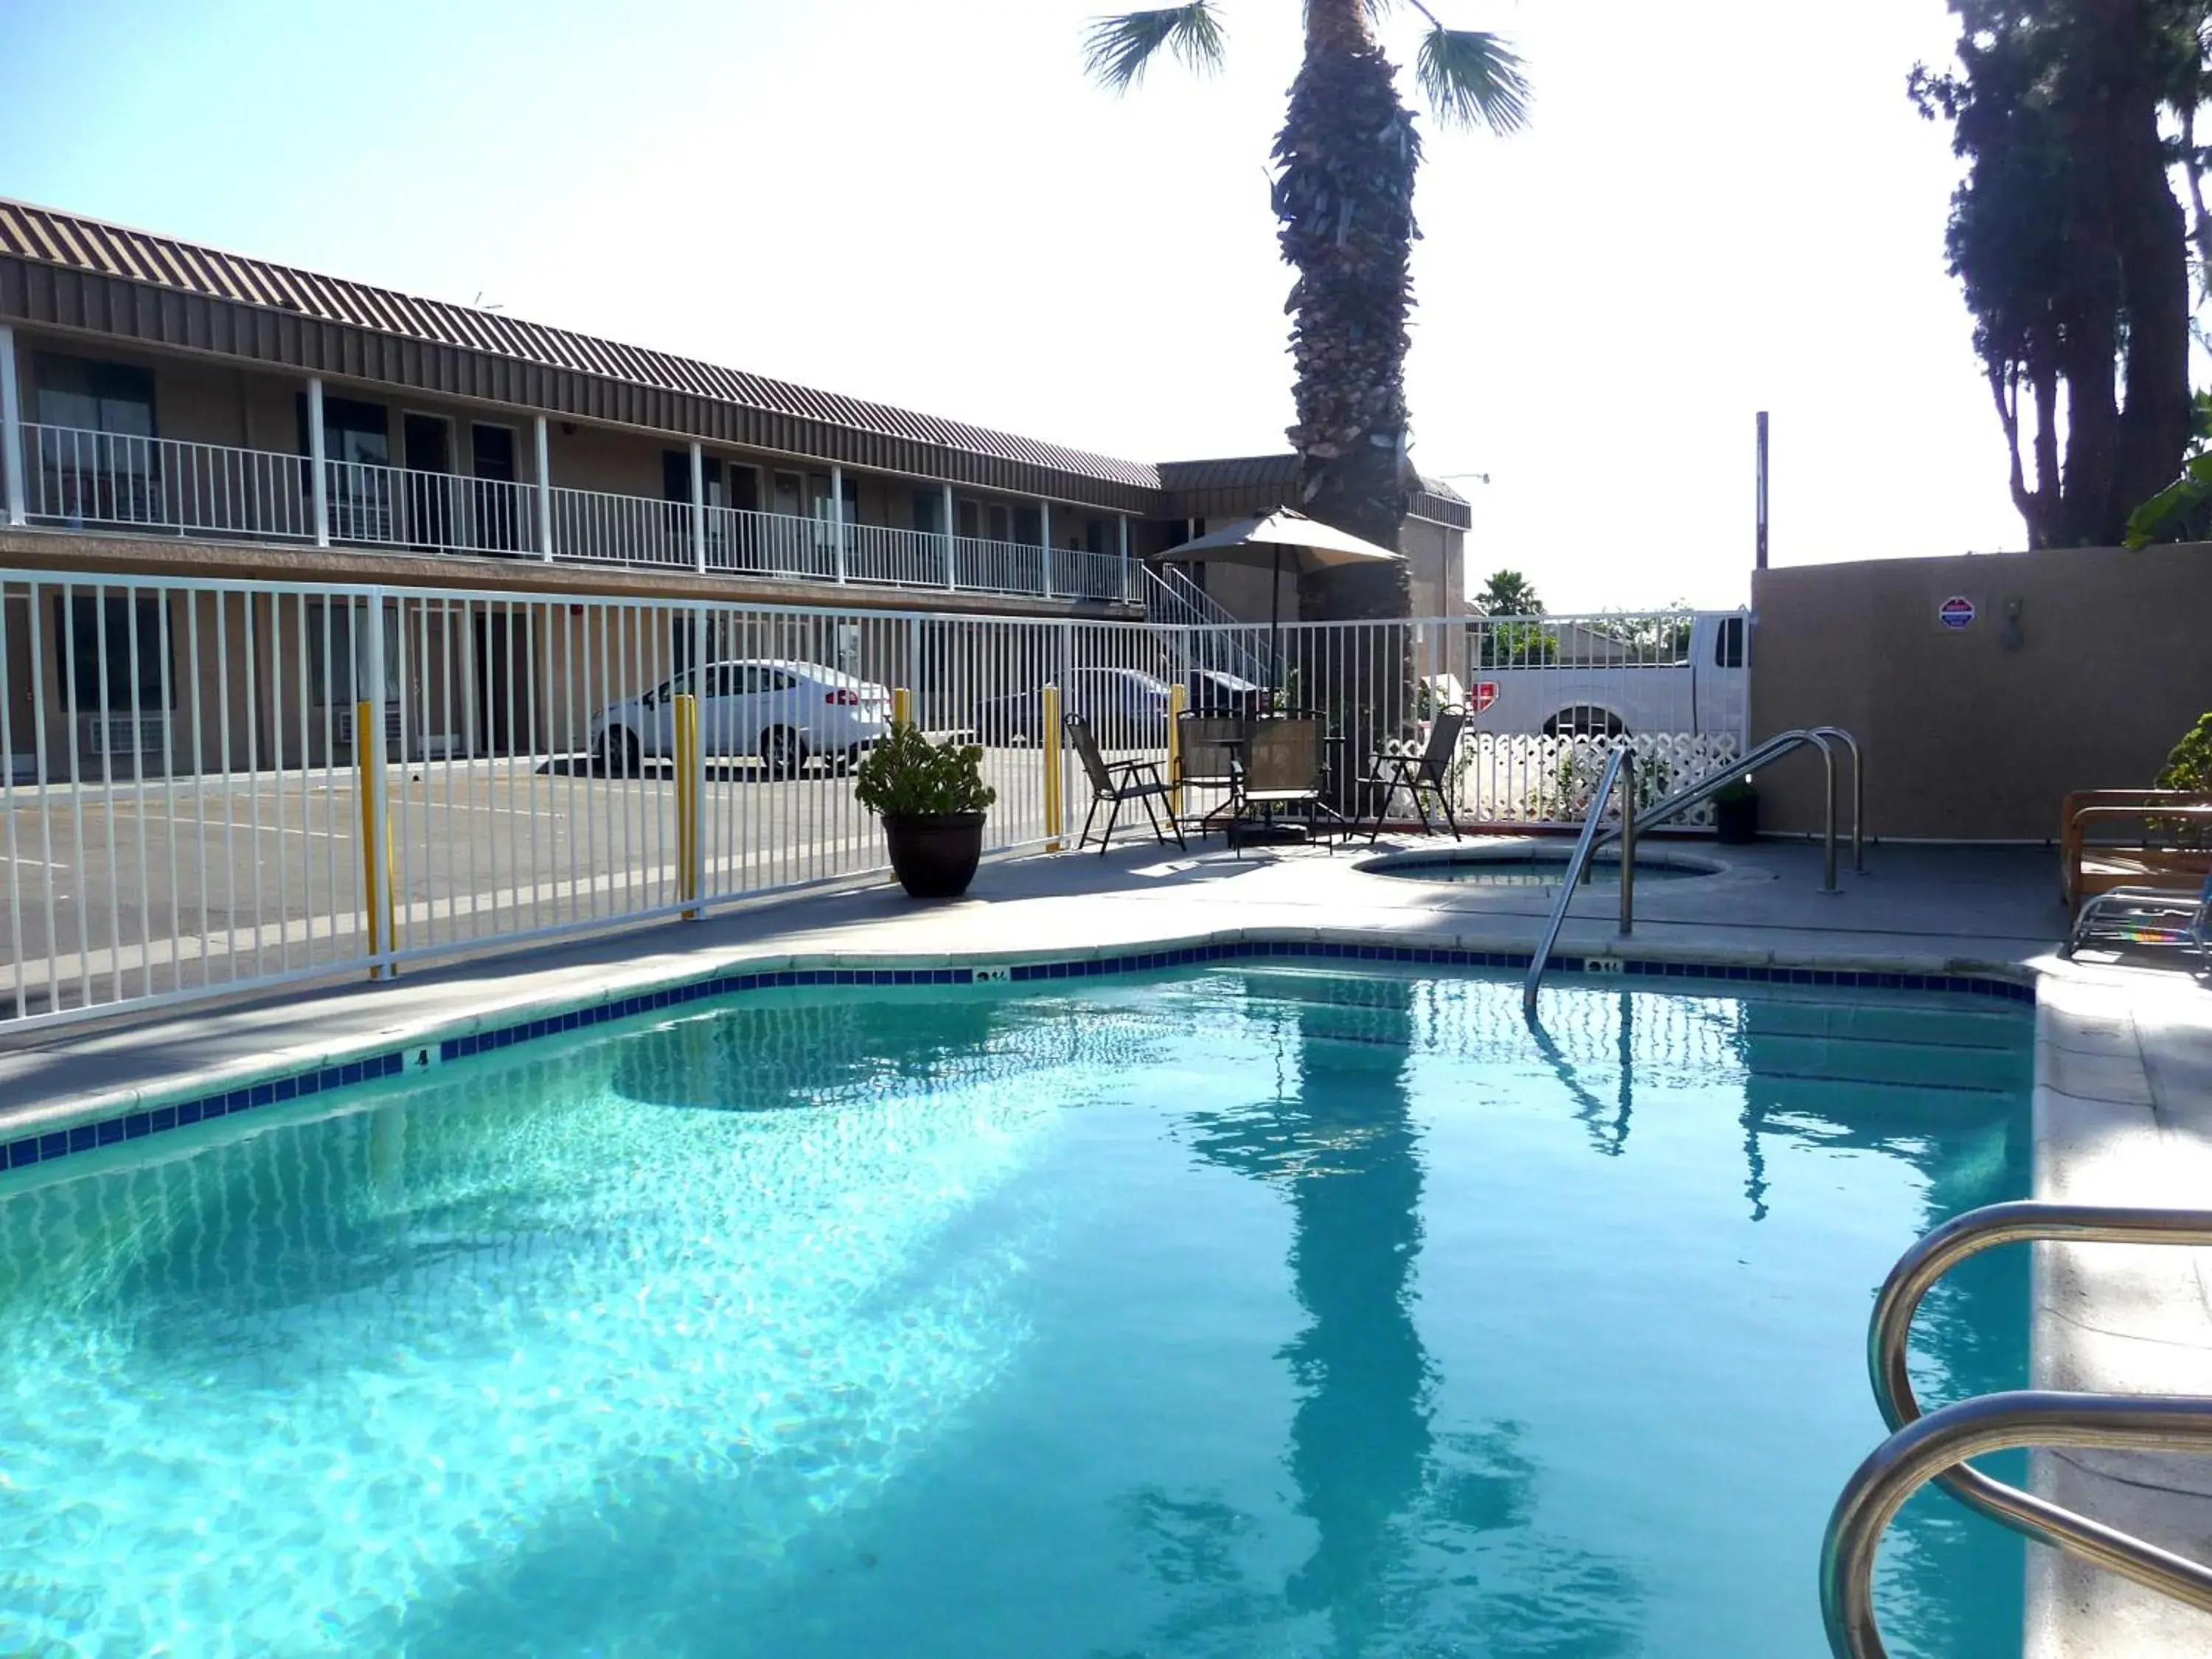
<point>1926,1448</point>
<point>1585,844</point>
<point>1781,744</point>
<point>1596,836</point>
<point>1852,1631</point>
<point>1858,794</point>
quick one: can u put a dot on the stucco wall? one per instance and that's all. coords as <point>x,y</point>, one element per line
<point>2081,669</point>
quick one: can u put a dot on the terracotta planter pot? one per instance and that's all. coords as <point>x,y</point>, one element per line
<point>1736,823</point>
<point>935,856</point>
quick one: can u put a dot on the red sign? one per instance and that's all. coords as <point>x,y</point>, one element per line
<point>1486,693</point>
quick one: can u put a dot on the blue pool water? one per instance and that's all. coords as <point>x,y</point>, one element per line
<point>1259,1311</point>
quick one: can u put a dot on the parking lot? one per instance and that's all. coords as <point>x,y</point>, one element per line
<point>141,887</point>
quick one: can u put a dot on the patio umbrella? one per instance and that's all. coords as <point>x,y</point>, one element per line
<point>1285,536</point>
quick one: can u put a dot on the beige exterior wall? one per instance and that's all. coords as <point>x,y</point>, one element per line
<point>2081,669</point>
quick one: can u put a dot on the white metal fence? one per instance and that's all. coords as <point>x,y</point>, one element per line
<point>189,790</point>
<point>76,478</point>
<point>195,772</point>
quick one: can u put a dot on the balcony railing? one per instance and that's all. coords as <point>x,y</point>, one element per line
<point>75,478</point>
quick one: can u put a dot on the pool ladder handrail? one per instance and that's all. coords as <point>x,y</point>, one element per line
<point>1631,825</point>
<point>1935,1447</point>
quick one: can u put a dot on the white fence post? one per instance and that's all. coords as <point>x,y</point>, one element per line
<point>1124,522</point>
<point>1044,543</point>
<point>11,425</point>
<point>951,571</point>
<point>698,508</point>
<point>318,486</point>
<point>544,492</point>
<point>837,517</point>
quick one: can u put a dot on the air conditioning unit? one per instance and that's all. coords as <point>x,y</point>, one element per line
<point>130,735</point>
<point>342,726</point>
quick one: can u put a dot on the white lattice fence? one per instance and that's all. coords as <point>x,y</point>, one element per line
<point>1526,778</point>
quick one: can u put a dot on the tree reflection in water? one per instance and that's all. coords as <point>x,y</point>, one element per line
<point>1422,1539</point>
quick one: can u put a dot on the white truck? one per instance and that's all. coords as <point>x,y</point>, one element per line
<point>1685,673</point>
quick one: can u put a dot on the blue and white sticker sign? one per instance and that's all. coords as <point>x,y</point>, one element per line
<point>1956,612</point>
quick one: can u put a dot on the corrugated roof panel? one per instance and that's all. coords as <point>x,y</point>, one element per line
<point>68,239</point>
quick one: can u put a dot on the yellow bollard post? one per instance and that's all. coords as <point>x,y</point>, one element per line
<point>1051,696</point>
<point>376,890</point>
<point>371,910</point>
<point>1176,695</point>
<point>902,706</point>
<point>687,802</point>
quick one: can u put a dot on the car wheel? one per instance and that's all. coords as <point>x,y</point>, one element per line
<point>784,749</point>
<point>617,754</point>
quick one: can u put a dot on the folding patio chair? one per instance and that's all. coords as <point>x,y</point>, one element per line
<point>1207,746</point>
<point>1116,781</point>
<point>1413,771</point>
<point>1285,765</point>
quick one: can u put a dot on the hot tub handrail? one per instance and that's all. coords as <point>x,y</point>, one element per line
<point>1595,834</point>
<point>1585,844</point>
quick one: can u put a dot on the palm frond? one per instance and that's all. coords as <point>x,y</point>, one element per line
<point>1117,50</point>
<point>1471,76</point>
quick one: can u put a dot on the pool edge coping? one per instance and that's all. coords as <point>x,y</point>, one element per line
<point>90,1122</point>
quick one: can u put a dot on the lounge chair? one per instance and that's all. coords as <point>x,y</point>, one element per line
<point>1284,768</point>
<point>2146,915</point>
<point>2142,838</point>
<point>1414,770</point>
<point>1115,782</point>
<point>1207,757</point>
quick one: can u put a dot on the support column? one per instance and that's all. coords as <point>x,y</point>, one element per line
<point>1044,539</point>
<point>837,516</point>
<point>544,491</point>
<point>11,425</point>
<point>698,508</point>
<point>318,484</point>
<point>952,570</point>
<point>1124,522</point>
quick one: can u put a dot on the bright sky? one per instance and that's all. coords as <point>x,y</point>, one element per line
<point>1721,207</point>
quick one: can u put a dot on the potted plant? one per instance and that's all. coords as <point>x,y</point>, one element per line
<point>932,798</point>
<point>1735,813</point>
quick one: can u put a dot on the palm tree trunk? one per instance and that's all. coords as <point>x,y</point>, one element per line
<point>1344,196</point>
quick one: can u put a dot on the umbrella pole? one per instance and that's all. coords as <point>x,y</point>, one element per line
<point>1275,629</point>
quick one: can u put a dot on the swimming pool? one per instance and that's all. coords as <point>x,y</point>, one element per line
<point>1256,1310</point>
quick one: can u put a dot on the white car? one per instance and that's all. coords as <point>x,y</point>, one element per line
<point>783,712</point>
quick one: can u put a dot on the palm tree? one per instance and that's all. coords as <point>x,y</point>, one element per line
<point>1343,193</point>
<point>1509,593</point>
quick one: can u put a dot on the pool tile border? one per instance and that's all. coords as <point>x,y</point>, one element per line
<point>48,1146</point>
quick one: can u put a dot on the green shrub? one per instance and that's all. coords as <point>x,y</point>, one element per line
<point>2189,765</point>
<point>906,776</point>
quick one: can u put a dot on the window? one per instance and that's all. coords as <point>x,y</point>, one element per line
<point>745,487</point>
<point>929,512</point>
<point>676,476</point>
<point>1028,527</point>
<point>119,641</point>
<point>332,659</point>
<point>1002,522</point>
<point>787,494</point>
<point>1727,643</point>
<point>96,457</point>
<point>352,431</point>
<point>94,396</point>
<point>1094,535</point>
<point>971,519</point>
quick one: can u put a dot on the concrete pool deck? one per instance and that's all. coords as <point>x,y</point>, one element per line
<point>2123,1108</point>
